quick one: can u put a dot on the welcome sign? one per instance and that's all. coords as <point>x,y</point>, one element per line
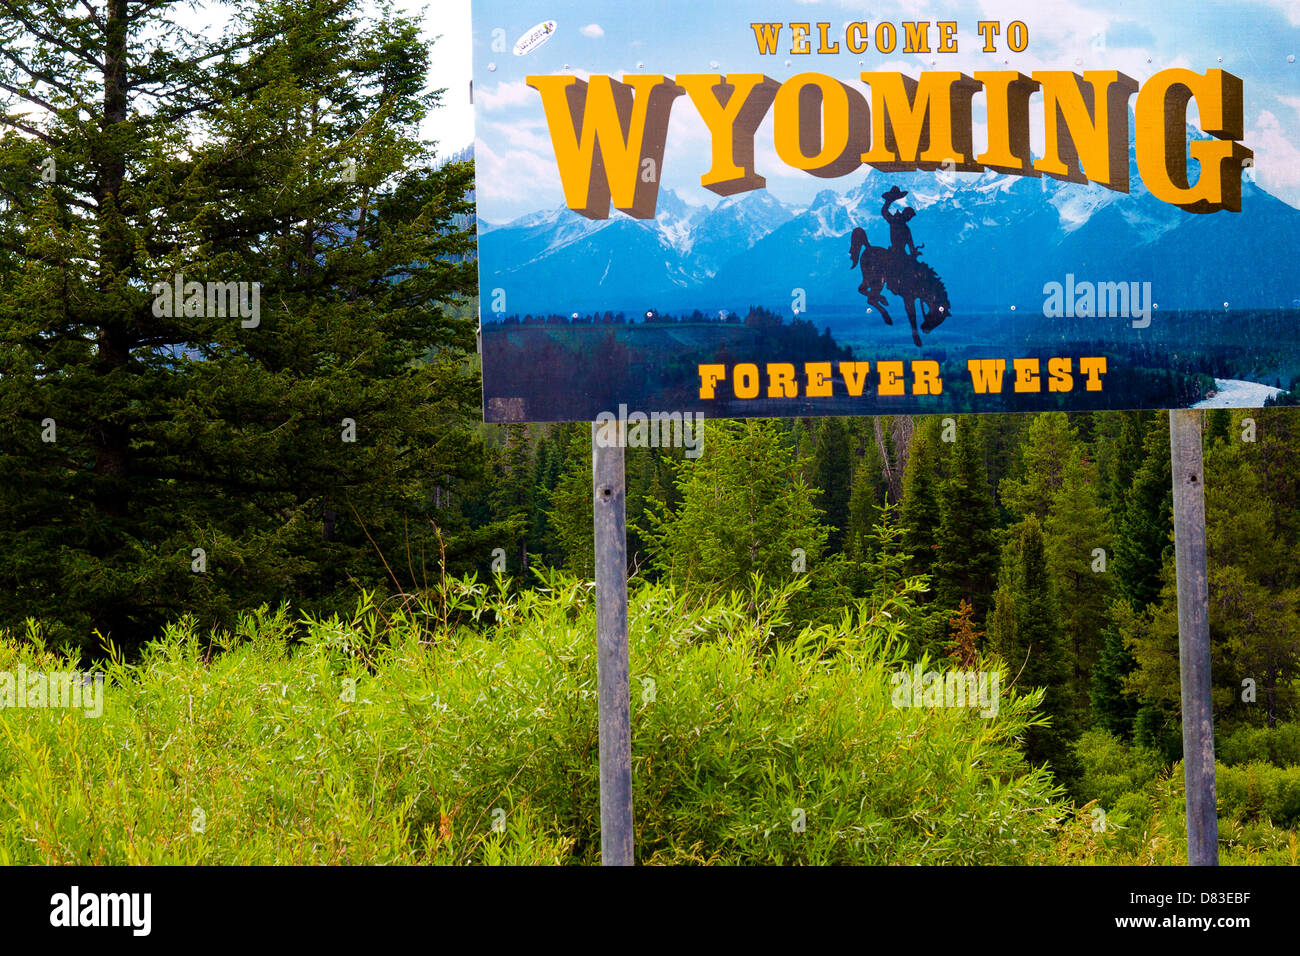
<point>836,208</point>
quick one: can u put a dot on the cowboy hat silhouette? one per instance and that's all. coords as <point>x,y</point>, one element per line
<point>893,194</point>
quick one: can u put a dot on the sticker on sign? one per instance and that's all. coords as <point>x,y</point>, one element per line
<point>534,37</point>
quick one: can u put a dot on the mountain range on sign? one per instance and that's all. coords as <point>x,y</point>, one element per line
<point>995,240</point>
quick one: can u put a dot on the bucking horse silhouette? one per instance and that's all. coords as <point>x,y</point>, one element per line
<point>905,275</point>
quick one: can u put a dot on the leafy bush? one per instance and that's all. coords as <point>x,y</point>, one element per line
<point>1278,745</point>
<point>1259,791</point>
<point>1109,768</point>
<point>1140,795</point>
<point>478,743</point>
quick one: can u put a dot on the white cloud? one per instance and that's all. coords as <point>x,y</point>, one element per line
<point>1291,101</point>
<point>1277,160</point>
<point>529,135</point>
<point>514,177</point>
<point>505,95</point>
<point>1288,7</point>
<point>593,30</point>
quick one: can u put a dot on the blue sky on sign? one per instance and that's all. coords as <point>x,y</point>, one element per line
<point>516,163</point>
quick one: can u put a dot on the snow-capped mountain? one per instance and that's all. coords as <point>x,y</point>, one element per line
<point>995,240</point>
<point>734,225</point>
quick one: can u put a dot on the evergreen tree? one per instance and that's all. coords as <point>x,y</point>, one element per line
<point>832,474</point>
<point>512,496</point>
<point>1024,631</point>
<point>920,505</point>
<point>1254,601</point>
<point>572,513</point>
<point>1218,423</point>
<point>1076,527</point>
<point>1002,436</point>
<point>1254,610</point>
<point>1146,522</point>
<point>1113,707</point>
<point>744,510</point>
<point>1049,444</point>
<point>546,473</point>
<point>649,486</point>
<point>966,562</point>
<point>207,458</point>
<point>1276,456</point>
<point>1124,454</point>
<point>866,497</point>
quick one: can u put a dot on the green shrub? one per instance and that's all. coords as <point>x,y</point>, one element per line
<point>1278,745</point>
<point>478,743</point>
<point>1110,768</point>
<point>1259,791</point>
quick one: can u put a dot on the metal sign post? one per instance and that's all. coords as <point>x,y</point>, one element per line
<point>610,527</point>
<point>1194,637</point>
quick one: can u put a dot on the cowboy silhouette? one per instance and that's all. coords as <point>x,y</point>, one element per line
<point>900,234</point>
<point>899,269</point>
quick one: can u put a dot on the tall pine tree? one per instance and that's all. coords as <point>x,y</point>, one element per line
<point>1024,630</point>
<point>833,476</point>
<point>1146,520</point>
<point>966,562</point>
<point>1077,531</point>
<point>919,508</point>
<point>202,455</point>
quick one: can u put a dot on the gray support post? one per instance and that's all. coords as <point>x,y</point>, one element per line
<point>610,527</point>
<point>1194,636</point>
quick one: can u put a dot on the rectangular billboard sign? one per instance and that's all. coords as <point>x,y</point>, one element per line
<point>838,208</point>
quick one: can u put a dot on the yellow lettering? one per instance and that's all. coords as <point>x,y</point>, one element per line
<point>916,36</point>
<point>710,375</point>
<point>886,37</point>
<point>1017,36</point>
<point>826,45</point>
<point>766,35</point>
<point>1059,369</point>
<point>826,138</point>
<point>855,376</point>
<point>986,374</point>
<point>780,381</point>
<point>1160,121</point>
<point>988,29</point>
<point>1006,97</point>
<point>920,124</point>
<point>1088,126</point>
<point>731,107</point>
<point>1094,368</point>
<point>819,379</point>
<point>891,377</point>
<point>857,37</point>
<point>1027,379</point>
<point>622,123</point>
<point>799,39</point>
<point>947,36</point>
<point>925,378</point>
